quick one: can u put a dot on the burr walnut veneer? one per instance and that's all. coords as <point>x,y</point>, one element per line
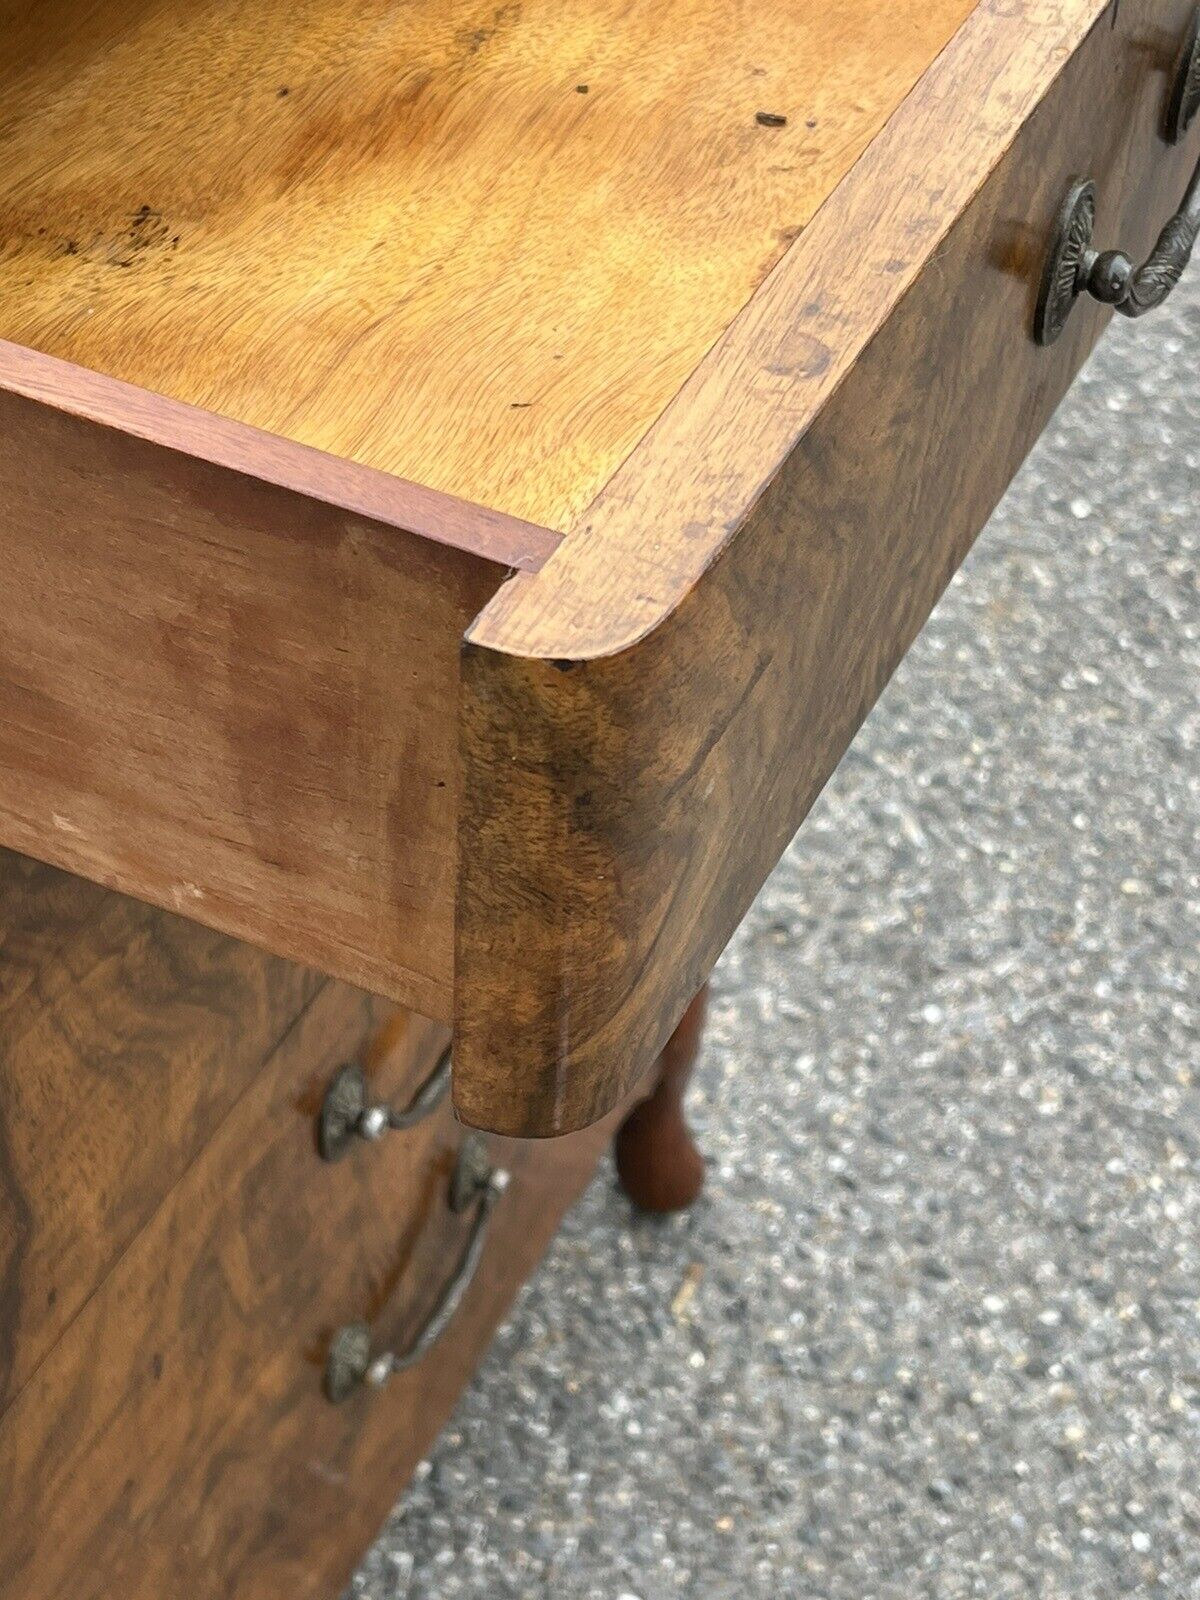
<point>466,472</point>
<point>176,1259</point>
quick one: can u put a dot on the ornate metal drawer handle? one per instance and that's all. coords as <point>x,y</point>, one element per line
<point>350,1362</point>
<point>347,1115</point>
<point>1074,268</point>
<point>1185,97</point>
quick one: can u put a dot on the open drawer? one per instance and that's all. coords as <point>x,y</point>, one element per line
<point>670,354</point>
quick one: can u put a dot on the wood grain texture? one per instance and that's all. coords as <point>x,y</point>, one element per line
<point>478,244</point>
<point>338,484</point>
<point>232,699</point>
<point>176,1440</point>
<point>662,719</point>
<point>295,1489</point>
<point>126,1035</point>
<point>30,942</point>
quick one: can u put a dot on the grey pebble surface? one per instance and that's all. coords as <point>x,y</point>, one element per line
<point>934,1329</point>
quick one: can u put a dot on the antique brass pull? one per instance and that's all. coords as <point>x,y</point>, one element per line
<point>350,1362</point>
<point>347,1115</point>
<point>1074,268</point>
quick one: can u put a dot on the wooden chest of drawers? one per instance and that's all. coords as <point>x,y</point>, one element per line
<point>465,475</point>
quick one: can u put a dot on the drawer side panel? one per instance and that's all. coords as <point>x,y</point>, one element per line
<point>231,700</point>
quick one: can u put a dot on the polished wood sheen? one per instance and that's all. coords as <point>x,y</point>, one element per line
<point>477,244</point>
<point>648,719</point>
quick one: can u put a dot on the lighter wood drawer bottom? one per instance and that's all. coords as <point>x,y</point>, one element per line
<point>177,1439</point>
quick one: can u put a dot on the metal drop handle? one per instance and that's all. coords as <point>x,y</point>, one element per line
<point>1074,268</point>
<point>346,1114</point>
<point>350,1362</point>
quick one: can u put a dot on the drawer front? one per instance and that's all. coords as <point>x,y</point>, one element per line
<point>869,408</point>
<point>178,1439</point>
<point>126,1035</point>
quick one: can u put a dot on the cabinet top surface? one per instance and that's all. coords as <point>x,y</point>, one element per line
<point>480,246</point>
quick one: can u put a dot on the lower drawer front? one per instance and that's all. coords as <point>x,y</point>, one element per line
<point>126,1035</point>
<point>178,1439</point>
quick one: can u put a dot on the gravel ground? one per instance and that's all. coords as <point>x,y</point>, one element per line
<point>935,1328</point>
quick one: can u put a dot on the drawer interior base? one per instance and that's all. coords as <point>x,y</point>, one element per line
<point>474,243</point>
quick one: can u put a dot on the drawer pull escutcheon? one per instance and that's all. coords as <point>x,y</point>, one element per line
<point>1074,268</point>
<point>346,1114</point>
<point>350,1362</point>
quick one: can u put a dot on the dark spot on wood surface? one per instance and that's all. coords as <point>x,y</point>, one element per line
<point>472,40</point>
<point>770,119</point>
<point>147,229</point>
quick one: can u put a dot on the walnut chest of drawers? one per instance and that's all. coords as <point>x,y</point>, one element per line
<point>466,473</point>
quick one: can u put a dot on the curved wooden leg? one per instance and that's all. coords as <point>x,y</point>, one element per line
<point>658,1164</point>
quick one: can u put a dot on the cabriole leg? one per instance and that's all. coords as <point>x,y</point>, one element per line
<point>658,1163</point>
